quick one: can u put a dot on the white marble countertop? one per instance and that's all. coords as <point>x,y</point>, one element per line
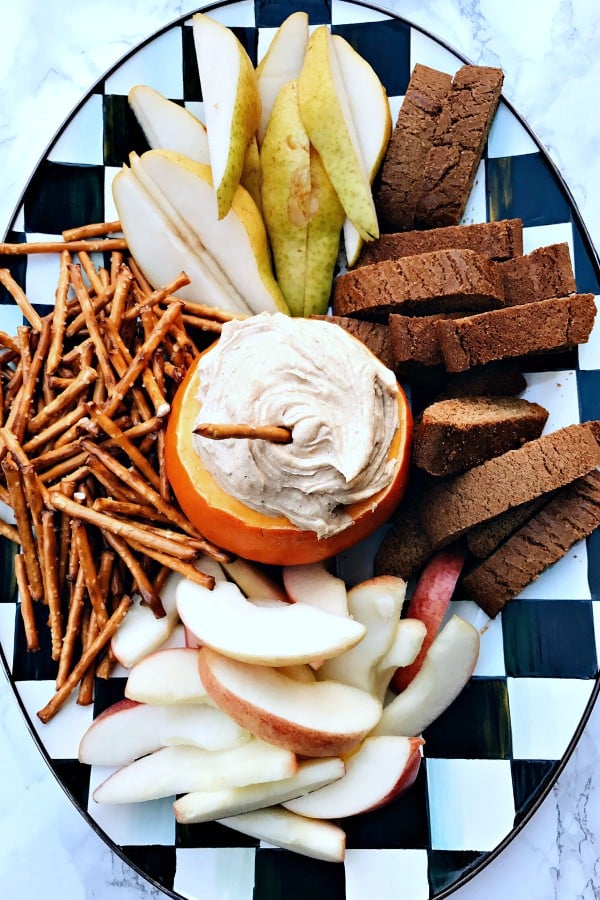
<point>52,52</point>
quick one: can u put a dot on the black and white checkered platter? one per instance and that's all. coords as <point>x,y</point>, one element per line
<point>496,751</point>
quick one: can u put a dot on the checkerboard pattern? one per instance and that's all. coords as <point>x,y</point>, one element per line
<point>494,752</point>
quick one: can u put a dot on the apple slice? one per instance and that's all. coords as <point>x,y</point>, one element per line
<point>180,770</point>
<point>200,726</point>
<point>314,584</point>
<point>231,103</point>
<point>167,125</point>
<point>203,806</point>
<point>371,113</point>
<point>406,644</point>
<point>376,604</point>
<point>429,603</point>
<point>309,837</point>
<point>281,635</point>
<point>327,116</point>
<point>322,718</point>
<point>446,669</point>
<point>299,673</point>
<point>281,63</point>
<point>141,632</point>
<point>167,678</point>
<point>123,732</point>
<point>253,580</point>
<point>380,769</point>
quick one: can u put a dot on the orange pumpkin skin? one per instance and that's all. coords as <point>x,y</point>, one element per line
<point>244,532</point>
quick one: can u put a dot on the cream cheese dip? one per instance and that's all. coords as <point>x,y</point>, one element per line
<point>338,400</point>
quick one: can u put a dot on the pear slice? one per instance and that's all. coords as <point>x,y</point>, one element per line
<point>161,251</point>
<point>323,241</point>
<point>371,112</point>
<point>168,126</point>
<point>250,177</point>
<point>327,116</point>
<point>235,244</point>
<point>231,103</point>
<point>281,63</point>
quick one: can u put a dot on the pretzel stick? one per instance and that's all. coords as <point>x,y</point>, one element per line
<point>143,584</point>
<point>158,296</point>
<point>92,325</point>
<point>120,297</point>
<point>50,570</point>
<point>202,324</point>
<point>113,486</point>
<point>60,314</point>
<point>9,532</point>
<point>64,468</point>
<point>90,270</point>
<point>23,342</point>
<point>27,613</point>
<point>76,607</point>
<point>19,506</point>
<point>127,530</point>
<point>55,429</point>
<point>277,434</point>
<point>139,276</point>
<point>97,305</point>
<point>92,246</point>
<point>86,377</point>
<point>176,564</point>
<point>96,229</point>
<point>30,378</point>
<point>128,510</point>
<point>89,630</point>
<point>120,366</point>
<point>124,444</point>
<point>90,575</point>
<point>7,341</point>
<point>159,401</point>
<point>33,495</point>
<point>68,489</point>
<point>105,570</point>
<point>19,296</point>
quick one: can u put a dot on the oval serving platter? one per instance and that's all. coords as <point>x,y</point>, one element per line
<point>494,754</point>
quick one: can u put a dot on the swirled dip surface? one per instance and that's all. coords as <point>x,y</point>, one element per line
<point>338,400</point>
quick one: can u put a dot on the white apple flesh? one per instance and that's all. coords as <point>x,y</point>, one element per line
<point>253,580</point>
<point>314,584</point>
<point>167,678</point>
<point>309,837</point>
<point>141,632</point>
<point>404,649</point>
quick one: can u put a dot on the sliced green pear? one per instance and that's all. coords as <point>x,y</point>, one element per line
<point>371,113</point>
<point>203,806</point>
<point>250,177</point>
<point>231,103</point>
<point>309,837</point>
<point>321,718</point>
<point>323,239</point>
<point>327,116</point>
<point>286,194</point>
<point>167,125</point>
<point>281,63</point>
<point>446,669</point>
<point>285,634</point>
<point>237,244</point>
<point>162,252</point>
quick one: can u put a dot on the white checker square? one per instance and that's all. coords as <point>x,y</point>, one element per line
<point>476,208</point>
<point>110,210</point>
<point>136,824</point>
<point>535,236</point>
<point>471,804</point>
<point>265,36</point>
<point>147,66</point>
<point>82,141</point>
<point>10,316</point>
<point>196,107</point>
<point>395,104</point>
<point>589,353</point>
<point>508,136</point>
<point>226,873</point>
<point>567,578</point>
<point>349,13</point>
<point>41,276</point>
<point>491,652</point>
<point>61,735</point>
<point>8,612</point>
<point>428,52</point>
<point>378,873</point>
<point>19,222</point>
<point>557,392</point>
<point>544,713</point>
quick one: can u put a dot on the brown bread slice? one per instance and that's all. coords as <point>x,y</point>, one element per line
<point>462,129</point>
<point>442,281</point>
<point>544,273</point>
<point>454,435</point>
<point>450,509</point>
<point>552,324</point>
<point>498,379</point>
<point>499,240</point>
<point>401,175</point>
<point>573,514</point>
<point>414,338</point>
<point>374,335</point>
<point>405,547</point>
<point>484,539</point>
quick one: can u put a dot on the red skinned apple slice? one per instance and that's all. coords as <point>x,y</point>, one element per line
<point>380,769</point>
<point>446,669</point>
<point>309,837</point>
<point>179,770</point>
<point>203,806</point>
<point>141,632</point>
<point>407,642</point>
<point>167,677</point>
<point>313,583</point>
<point>322,718</point>
<point>430,602</point>
<point>281,635</point>
<point>120,734</point>
<point>376,604</point>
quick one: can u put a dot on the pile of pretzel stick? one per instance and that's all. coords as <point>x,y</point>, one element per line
<point>85,393</point>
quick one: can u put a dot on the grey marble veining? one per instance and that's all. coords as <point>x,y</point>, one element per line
<point>52,52</point>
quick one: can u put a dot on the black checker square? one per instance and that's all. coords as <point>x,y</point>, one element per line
<point>475,726</point>
<point>38,666</point>
<point>403,823</point>
<point>529,778</point>
<point>549,638</point>
<point>61,195</point>
<point>386,46</point>
<point>122,133</point>
<point>269,14</point>
<point>445,867</point>
<point>588,391</point>
<point>585,263</point>
<point>106,692</point>
<point>593,553</point>
<point>158,861</point>
<point>191,76</point>
<point>16,265</point>
<point>8,582</point>
<point>211,834</point>
<point>75,776</point>
<point>525,187</point>
<point>281,875</point>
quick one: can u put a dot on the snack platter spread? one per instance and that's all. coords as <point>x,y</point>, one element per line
<point>498,749</point>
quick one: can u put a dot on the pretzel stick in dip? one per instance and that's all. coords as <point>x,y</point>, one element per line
<point>216,431</point>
